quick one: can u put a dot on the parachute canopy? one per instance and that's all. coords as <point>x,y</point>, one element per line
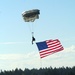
<point>31,15</point>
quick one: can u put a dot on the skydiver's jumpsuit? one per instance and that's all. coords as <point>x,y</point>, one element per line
<point>33,39</point>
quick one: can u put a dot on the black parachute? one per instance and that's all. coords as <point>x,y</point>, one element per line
<point>31,15</point>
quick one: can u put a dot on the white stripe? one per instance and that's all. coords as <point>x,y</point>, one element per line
<point>48,54</point>
<point>54,46</point>
<point>45,55</point>
<point>53,41</point>
<point>48,50</point>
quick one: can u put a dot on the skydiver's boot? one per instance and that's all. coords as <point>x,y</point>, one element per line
<point>33,39</point>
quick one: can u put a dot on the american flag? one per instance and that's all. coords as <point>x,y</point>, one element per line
<point>49,47</point>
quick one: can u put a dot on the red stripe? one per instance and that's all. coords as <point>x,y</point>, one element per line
<point>54,46</point>
<point>48,53</point>
<point>51,43</point>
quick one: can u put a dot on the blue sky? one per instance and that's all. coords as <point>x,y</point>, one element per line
<point>56,20</point>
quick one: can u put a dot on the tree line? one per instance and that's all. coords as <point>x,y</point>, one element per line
<point>41,71</point>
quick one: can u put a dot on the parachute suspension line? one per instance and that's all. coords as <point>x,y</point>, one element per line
<point>33,38</point>
<point>32,32</point>
<point>31,29</point>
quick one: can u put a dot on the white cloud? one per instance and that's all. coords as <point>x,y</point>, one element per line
<point>23,61</point>
<point>32,60</point>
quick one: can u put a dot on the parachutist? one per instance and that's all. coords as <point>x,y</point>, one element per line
<point>33,39</point>
<point>31,16</point>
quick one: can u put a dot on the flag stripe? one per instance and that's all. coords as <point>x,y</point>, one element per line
<point>42,51</point>
<point>49,52</point>
<point>52,41</point>
<point>41,56</point>
<point>54,47</point>
<point>53,44</point>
